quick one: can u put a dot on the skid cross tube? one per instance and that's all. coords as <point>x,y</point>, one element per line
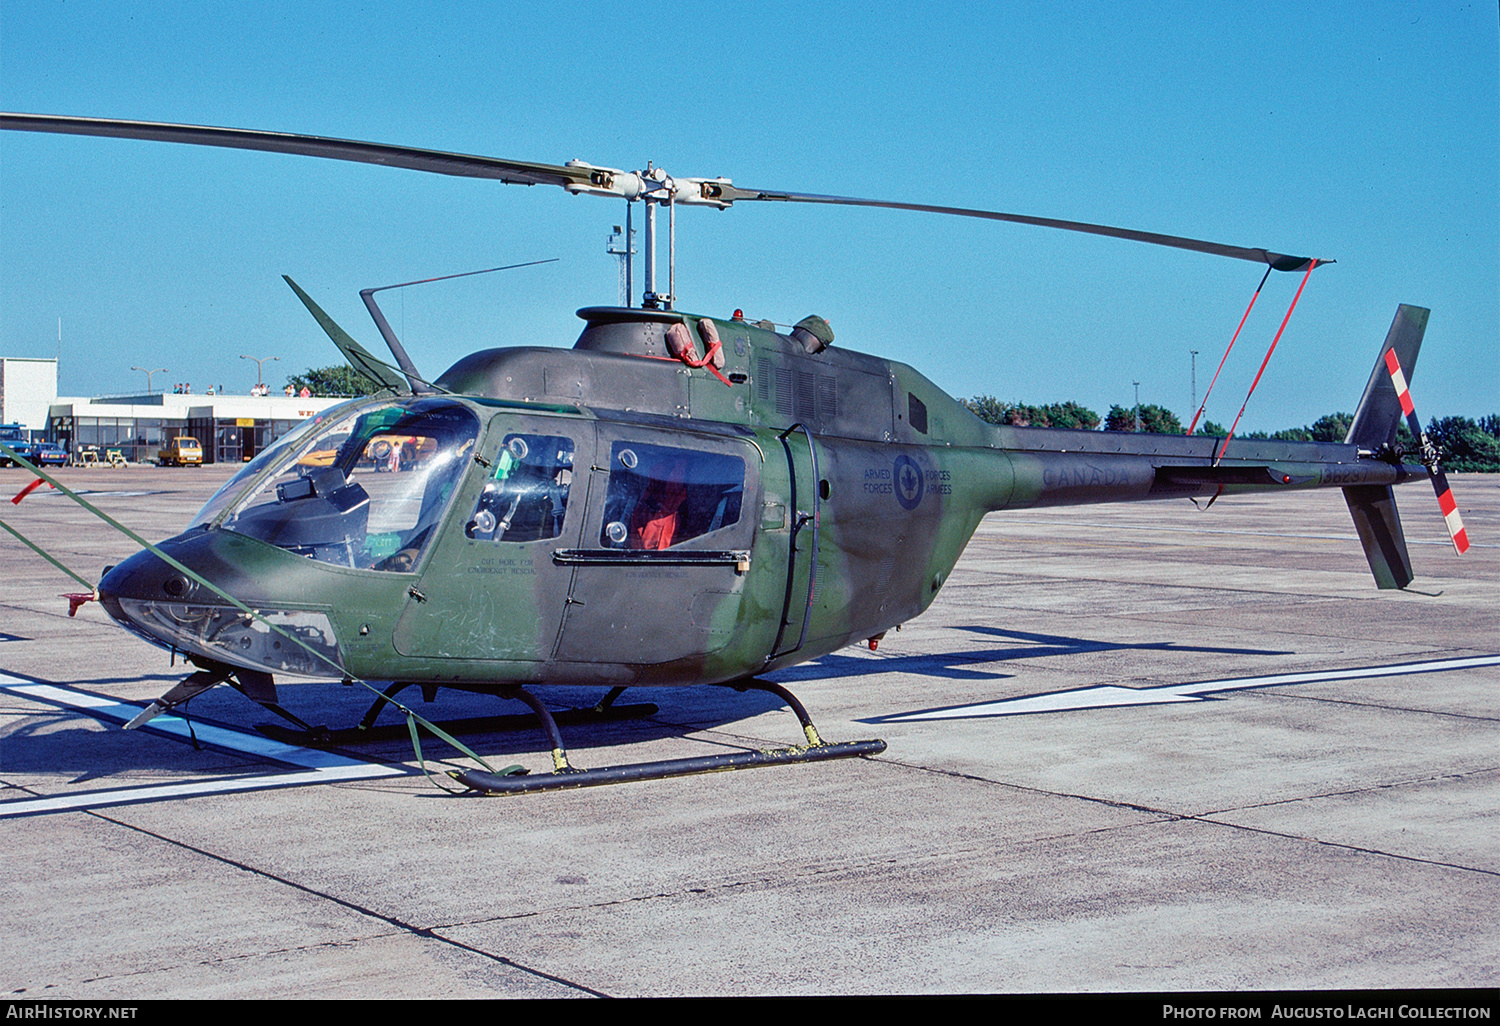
<point>565,775</point>
<point>380,703</point>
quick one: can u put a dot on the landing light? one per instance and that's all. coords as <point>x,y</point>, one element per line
<point>228,634</point>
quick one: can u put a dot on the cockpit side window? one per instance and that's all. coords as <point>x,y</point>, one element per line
<point>526,497</point>
<point>661,496</point>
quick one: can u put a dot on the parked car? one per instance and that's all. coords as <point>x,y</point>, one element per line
<point>13,436</point>
<point>40,453</point>
<point>48,454</point>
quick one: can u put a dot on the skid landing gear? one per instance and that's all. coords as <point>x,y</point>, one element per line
<point>565,775</point>
<point>367,731</point>
<point>257,686</point>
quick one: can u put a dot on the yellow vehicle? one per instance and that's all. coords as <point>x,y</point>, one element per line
<point>182,451</point>
<point>382,453</point>
<point>318,458</point>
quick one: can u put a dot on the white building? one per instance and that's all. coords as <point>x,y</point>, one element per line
<point>28,387</point>
<point>231,428</point>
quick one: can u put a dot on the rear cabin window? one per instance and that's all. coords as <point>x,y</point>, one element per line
<point>660,496</point>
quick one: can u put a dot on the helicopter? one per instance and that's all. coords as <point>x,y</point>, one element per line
<point>676,500</point>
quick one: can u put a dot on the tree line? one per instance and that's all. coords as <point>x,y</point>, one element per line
<point>338,381</point>
<point>1465,444</point>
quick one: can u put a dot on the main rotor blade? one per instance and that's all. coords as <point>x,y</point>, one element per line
<point>519,172</point>
<point>576,177</point>
<point>1278,261</point>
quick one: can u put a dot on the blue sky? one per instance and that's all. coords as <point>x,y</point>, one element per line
<point>1364,132</point>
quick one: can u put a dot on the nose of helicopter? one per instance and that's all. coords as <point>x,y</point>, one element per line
<point>143,576</point>
<point>159,602</point>
<point>132,591</point>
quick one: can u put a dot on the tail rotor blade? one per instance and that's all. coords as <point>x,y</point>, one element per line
<point>1439,479</point>
<point>1450,509</point>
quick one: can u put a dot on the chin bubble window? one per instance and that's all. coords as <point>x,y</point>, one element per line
<point>526,497</point>
<point>660,497</point>
<point>367,489</point>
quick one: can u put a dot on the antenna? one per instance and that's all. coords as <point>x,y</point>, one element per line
<point>418,386</point>
<point>1194,403</point>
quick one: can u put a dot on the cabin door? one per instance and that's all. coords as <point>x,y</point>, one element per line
<point>490,589</point>
<point>659,571</point>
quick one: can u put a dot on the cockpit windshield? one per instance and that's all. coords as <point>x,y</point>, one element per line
<point>366,489</point>
<point>274,453</point>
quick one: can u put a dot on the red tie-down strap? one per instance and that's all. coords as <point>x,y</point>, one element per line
<point>29,489</point>
<point>680,344</point>
<point>1246,316</point>
<point>1225,446</point>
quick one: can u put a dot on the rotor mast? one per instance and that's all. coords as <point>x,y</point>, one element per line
<point>659,188</point>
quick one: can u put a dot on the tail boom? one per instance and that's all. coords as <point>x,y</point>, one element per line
<point>1053,467</point>
<point>1065,468</point>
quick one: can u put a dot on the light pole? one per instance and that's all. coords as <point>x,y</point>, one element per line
<point>1137,385</point>
<point>259,363</point>
<point>622,245</point>
<point>1194,403</point>
<point>148,373</point>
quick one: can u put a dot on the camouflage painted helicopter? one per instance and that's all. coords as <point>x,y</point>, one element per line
<point>675,500</point>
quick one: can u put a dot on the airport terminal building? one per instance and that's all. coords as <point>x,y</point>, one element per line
<point>230,428</point>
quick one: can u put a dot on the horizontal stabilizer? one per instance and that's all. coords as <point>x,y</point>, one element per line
<point>377,372</point>
<point>1379,527</point>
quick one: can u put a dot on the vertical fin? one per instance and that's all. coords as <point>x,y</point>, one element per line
<point>1379,412</point>
<point>1374,429</point>
<point>1379,525</point>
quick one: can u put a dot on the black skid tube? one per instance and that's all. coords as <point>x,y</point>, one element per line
<point>492,783</point>
<point>565,775</point>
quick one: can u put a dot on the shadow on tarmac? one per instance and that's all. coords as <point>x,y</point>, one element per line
<point>959,665</point>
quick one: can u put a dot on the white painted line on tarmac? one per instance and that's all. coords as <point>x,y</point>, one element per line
<point>171,725</point>
<point>1106,696</point>
<point>311,766</point>
<point>221,785</point>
